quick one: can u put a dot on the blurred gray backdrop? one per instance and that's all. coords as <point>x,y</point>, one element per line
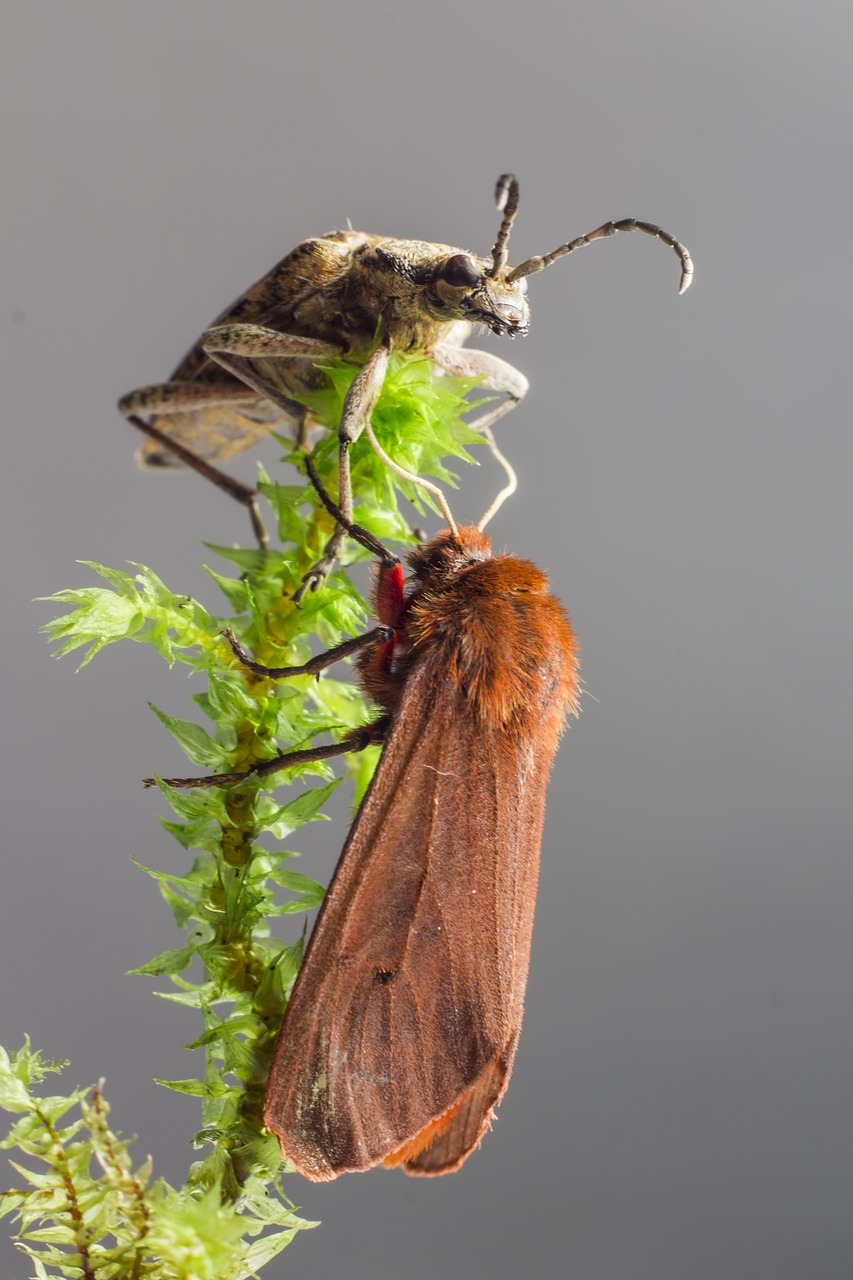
<point>681,1105</point>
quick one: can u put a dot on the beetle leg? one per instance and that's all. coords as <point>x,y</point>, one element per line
<point>173,397</point>
<point>217,435</point>
<point>217,402</point>
<point>358,406</point>
<point>254,342</point>
<point>233,345</point>
<point>495,375</point>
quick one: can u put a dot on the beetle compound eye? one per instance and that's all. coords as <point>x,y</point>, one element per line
<point>522,285</point>
<point>460,271</point>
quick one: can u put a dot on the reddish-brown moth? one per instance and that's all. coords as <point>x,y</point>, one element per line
<point>401,1030</point>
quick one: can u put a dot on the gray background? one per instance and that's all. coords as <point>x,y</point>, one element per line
<point>681,1104</point>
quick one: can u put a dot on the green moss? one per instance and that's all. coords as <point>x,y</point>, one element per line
<point>230,1217</point>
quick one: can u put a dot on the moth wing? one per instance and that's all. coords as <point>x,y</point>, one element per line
<point>402,1026</point>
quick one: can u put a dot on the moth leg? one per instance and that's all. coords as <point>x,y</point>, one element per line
<point>495,375</point>
<point>379,635</point>
<point>356,740</point>
<point>363,536</point>
<point>358,406</point>
<point>167,398</point>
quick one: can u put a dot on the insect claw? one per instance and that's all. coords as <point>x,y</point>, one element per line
<point>236,648</point>
<point>313,579</point>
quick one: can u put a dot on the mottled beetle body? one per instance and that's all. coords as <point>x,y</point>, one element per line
<point>335,289</point>
<point>353,295</point>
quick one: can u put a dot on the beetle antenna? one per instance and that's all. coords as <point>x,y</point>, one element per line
<point>510,486</point>
<point>506,199</point>
<point>532,265</point>
<point>413,479</point>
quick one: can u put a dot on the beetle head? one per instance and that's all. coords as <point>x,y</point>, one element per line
<point>448,284</point>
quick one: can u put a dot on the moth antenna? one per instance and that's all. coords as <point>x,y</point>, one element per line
<point>506,199</point>
<point>532,265</point>
<point>413,479</point>
<point>510,486</point>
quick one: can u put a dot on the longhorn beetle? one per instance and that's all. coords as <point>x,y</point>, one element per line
<point>353,295</point>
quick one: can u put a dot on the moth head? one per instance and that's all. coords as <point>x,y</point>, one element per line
<point>448,554</point>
